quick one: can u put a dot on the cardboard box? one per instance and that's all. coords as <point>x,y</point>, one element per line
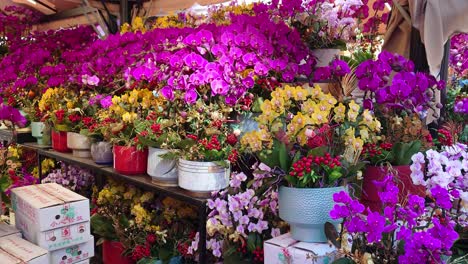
<point>55,238</point>
<point>49,206</point>
<point>83,262</point>
<point>6,230</point>
<point>284,249</point>
<point>15,250</point>
<point>73,254</point>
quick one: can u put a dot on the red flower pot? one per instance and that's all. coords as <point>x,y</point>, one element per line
<point>112,253</point>
<point>129,160</point>
<point>370,196</point>
<point>59,141</point>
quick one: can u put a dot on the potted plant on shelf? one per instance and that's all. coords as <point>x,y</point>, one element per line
<point>55,103</point>
<point>314,143</point>
<point>207,148</point>
<point>157,133</point>
<point>403,104</point>
<point>127,110</point>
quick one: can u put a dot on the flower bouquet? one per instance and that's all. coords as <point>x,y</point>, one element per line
<point>402,104</point>
<point>314,143</point>
<point>397,233</point>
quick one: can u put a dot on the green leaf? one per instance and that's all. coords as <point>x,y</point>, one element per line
<point>252,242</point>
<point>284,159</point>
<point>103,227</point>
<point>402,152</point>
<point>222,163</point>
<point>318,151</point>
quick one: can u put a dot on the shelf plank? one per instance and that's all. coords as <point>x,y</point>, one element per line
<point>143,181</point>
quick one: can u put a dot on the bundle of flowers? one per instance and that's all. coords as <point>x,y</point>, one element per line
<point>402,104</point>
<point>397,233</point>
<point>459,54</point>
<point>243,216</point>
<point>73,177</point>
<point>322,24</point>
<point>149,228</point>
<point>302,120</point>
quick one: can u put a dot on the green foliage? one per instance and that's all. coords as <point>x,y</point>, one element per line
<point>103,227</point>
<point>402,152</point>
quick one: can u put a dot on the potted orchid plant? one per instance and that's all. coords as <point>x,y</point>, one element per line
<point>314,143</point>
<point>403,104</point>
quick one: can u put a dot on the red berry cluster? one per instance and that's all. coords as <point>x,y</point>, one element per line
<point>144,133</point>
<point>231,139</point>
<point>88,121</point>
<point>60,114</point>
<point>373,150</point>
<point>233,156</point>
<point>445,137</point>
<point>242,248</point>
<point>304,165</point>
<point>212,144</point>
<point>151,239</point>
<point>193,137</point>
<point>11,101</point>
<point>258,255</point>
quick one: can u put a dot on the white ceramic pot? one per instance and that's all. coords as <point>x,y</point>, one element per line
<point>162,171</point>
<point>325,56</point>
<point>202,177</point>
<point>37,129</point>
<point>79,144</point>
<point>101,152</point>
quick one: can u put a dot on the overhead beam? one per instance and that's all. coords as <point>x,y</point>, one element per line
<point>70,13</point>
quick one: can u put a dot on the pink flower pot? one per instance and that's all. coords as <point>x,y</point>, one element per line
<point>370,192</point>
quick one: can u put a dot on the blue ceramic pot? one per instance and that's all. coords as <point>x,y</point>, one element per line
<point>307,210</point>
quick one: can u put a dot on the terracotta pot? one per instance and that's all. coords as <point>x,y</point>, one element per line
<point>59,141</point>
<point>112,253</point>
<point>129,160</point>
<point>370,196</point>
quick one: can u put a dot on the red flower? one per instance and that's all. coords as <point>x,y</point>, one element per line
<point>156,128</point>
<point>151,239</point>
<point>231,139</point>
<point>144,133</point>
<point>11,101</point>
<point>140,252</point>
<point>60,114</point>
<point>74,118</point>
<point>183,249</point>
<point>217,123</point>
<point>88,121</point>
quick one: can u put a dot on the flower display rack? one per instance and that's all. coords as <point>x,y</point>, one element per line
<point>142,181</point>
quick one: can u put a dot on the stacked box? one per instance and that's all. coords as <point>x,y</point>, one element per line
<point>6,230</point>
<point>55,219</point>
<point>15,250</point>
<point>284,249</point>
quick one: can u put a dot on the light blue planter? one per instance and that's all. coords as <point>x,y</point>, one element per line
<point>307,210</point>
<point>36,131</point>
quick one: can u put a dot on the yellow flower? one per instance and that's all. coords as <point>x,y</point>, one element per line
<point>319,117</point>
<point>308,107</point>
<point>353,106</point>
<point>289,92</point>
<point>316,92</point>
<point>364,133</point>
<point>116,100</point>
<point>146,197</point>
<point>277,105</point>
<point>278,93</point>
<point>339,113</point>
<point>141,215</point>
<point>352,115</point>
<point>297,123</point>
<point>300,94</point>
<point>129,117</point>
<point>128,195</point>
